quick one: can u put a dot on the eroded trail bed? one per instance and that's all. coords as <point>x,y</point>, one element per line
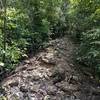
<point>51,75</point>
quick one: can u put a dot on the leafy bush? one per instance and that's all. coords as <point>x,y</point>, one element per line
<point>27,28</point>
<point>83,18</point>
<point>89,52</point>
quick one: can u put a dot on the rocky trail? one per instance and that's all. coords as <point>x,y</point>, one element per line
<point>51,75</point>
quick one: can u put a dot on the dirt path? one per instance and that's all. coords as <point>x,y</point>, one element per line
<point>51,75</point>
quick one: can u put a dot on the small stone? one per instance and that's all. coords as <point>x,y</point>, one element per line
<point>27,62</point>
<point>35,78</point>
<point>13,84</point>
<point>23,89</point>
<point>76,78</point>
<point>51,90</point>
<point>48,61</point>
<point>32,97</point>
<point>47,97</point>
<point>34,88</point>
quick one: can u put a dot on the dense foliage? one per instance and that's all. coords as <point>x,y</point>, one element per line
<point>85,26</point>
<point>25,26</point>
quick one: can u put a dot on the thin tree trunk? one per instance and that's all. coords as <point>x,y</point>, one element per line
<point>4,29</point>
